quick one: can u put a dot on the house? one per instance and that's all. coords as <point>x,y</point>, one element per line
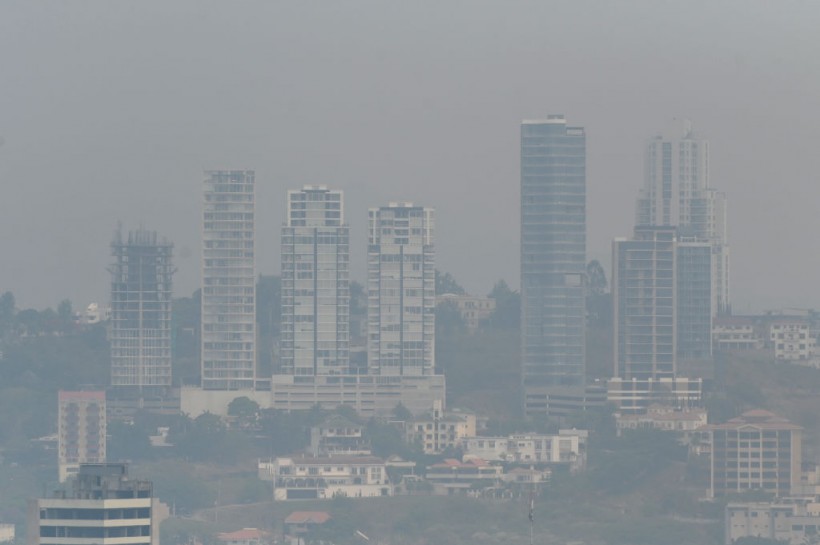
<point>245,536</point>
<point>564,448</point>
<point>303,478</point>
<point>660,417</point>
<point>338,436</point>
<point>300,523</point>
<point>453,477</point>
<point>438,430</point>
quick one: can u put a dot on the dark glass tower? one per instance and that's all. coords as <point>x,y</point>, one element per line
<point>553,258</point>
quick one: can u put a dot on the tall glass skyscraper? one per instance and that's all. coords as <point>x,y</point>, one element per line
<point>315,284</point>
<point>553,260</point>
<point>228,281</point>
<point>401,290</point>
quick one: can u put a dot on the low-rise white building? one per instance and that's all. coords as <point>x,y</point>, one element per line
<point>452,476</point>
<point>735,333</point>
<point>665,418</point>
<point>6,533</point>
<point>567,448</point>
<point>438,430</point>
<point>795,521</point>
<point>634,396</point>
<point>303,478</point>
<point>338,436</point>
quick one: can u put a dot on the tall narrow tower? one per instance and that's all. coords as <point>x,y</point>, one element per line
<point>553,259</point>
<point>315,284</point>
<point>677,192</point>
<point>228,281</point>
<point>141,313</point>
<point>401,290</point>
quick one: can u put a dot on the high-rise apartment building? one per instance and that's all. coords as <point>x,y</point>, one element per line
<point>315,284</point>
<point>553,259</point>
<point>677,192</point>
<point>101,506</point>
<point>401,287</point>
<point>755,451</point>
<point>141,296</point>
<point>81,428</point>
<point>644,299</point>
<point>694,300</point>
<point>228,281</point>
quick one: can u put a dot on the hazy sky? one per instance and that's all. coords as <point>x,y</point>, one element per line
<point>110,110</point>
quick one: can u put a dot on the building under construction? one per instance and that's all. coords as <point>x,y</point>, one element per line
<point>141,314</point>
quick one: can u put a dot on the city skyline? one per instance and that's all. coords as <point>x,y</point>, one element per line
<point>149,127</point>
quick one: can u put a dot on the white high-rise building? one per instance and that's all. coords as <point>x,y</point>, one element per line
<point>228,281</point>
<point>315,284</point>
<point>81,430</point>
<point>401,289</point>
<point>677,192</point>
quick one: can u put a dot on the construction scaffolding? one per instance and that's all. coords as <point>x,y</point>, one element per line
<point>141,295</point>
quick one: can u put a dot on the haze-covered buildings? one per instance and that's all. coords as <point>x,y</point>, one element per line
<point>228,281</point>
<point>401,290</point>
<point>81,430</point>
<point>141,299</point>
<point>553,264</point>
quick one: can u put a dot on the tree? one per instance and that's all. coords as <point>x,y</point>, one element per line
<point>66,313</point>
<point>507,314</point>
<point>446,283</point>
<point>6,312</point>
<point>449,322</point>
<point>245,410</point>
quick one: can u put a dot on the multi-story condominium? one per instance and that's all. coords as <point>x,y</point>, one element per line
<point>315,284</point>
<point>101,506</point>
<point>337,436</point>
<point>140,333</point>
<point>304,478</point>
<point>694,300</point>
<point>792,340</point>
<point>644,301</point>
<point>474,310</point>
<point>401,290</point>
<point>228,281</point>
<point>81,428</point>
<point>755,451</point>
<point>677,193</point>
<point>437,430</point>
<point>553,260</point>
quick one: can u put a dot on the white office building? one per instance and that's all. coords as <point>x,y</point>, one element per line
<point>401,291</point>
<point>228,281</point>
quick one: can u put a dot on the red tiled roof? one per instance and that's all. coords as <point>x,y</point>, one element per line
<point>756,418</point>
<point>242,535</point>
<point>304,517</point>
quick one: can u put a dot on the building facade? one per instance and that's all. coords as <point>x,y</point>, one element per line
<point>553,259</point>
<point>789,521</point>
<point>792,340</point>
<point>677,193</point>
<point>315,284</point>
<point>81,429</point>
<point>323,478</point>
<point>141,296</point>
<point>437,430</point>
<point>562,448</point>
<point>401,289</point>
<point>755,451</point>
<point>228,281</point>
<point>474,309</point>
<point>644,294</point>
<point>694,300</point>
<point>102,506</point>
